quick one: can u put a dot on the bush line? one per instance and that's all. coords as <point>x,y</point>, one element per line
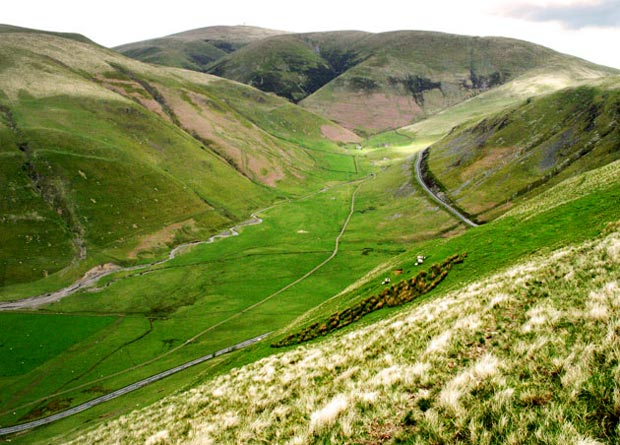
<point>398,294</point>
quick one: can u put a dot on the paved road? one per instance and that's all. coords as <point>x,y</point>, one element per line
<point>127,389</point>
<point>449,208</point>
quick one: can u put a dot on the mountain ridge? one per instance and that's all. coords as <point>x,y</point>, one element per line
<point>372,82</point>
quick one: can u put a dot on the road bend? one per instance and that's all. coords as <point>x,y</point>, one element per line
<point>448,207</point>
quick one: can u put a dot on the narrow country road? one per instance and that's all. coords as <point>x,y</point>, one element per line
<point>449,208</point>
<point>127,389</point>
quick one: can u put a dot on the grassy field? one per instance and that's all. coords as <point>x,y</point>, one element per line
<point>29,340</point>
<point>526,354</point>
<point>203,294</point>
<point>220,276</point>
<point>131,163</point>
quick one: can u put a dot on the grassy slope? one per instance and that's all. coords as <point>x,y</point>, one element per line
<point>373,82</point>
<point>496,245</point>
<point>293,66</point>
<point>195,49</point>
<point>486,166</point>
<point>130,150</point>
<point>211,284</point>
<point>526,354</point>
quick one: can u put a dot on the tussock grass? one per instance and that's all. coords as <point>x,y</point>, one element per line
<point>529,355</point>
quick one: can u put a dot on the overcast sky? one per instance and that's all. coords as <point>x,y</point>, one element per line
<point>586,28</point>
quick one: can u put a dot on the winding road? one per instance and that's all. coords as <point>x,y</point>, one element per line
<point>448,207</point>
<point>127,389</point>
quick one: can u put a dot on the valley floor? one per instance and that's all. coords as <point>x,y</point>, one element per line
<point>529,355</point>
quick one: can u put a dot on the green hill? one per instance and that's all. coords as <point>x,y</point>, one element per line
<point>106,158</point>
<point>374,82</point>
<point>486,167</point>
<point>195,49</point>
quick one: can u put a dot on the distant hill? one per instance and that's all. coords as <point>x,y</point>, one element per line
<point>375,82</point>
<point>4,29</point>
<point>486,167</point>
<point>105,158</point>
<point>195,49</point>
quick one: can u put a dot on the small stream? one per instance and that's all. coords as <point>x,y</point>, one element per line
<point>91,277</point>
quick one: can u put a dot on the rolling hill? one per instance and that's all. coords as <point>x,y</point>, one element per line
<point>375,82</point>
<point>485,167</point>
<point>195,49</point>
<point>106,159</point>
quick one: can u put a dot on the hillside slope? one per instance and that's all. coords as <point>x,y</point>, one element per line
<point>106,158</point>
<point>373,82</point>
<point>527,355</point>
<point>485,167</point>
<point>195,49</point>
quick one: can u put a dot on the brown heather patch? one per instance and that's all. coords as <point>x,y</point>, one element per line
<point>200,120</point>
<point>273,174</point>
<point>375,112</point>
<point>339,134</point>
<point>118,86</point>
<point>160,238</point>
<point>493,158</point>
<point>244,146</point>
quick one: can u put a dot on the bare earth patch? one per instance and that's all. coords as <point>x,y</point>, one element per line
<point>339,134</point>
<point>161,238</point>
<point>375,112</point>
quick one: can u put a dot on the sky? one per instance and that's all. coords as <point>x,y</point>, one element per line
<point>585,28</point>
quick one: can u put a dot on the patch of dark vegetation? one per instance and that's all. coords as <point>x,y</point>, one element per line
<point>416,85</point>
<point>483,82</point>
<point>140,53</point>
<point>403,292</point>
<point>49,408</point>
<point>226,46</point>
<point>201,59</point>
<point>367,209</point>
<point>341,60</point>
<point>363,84</point>
<point>9,120</point>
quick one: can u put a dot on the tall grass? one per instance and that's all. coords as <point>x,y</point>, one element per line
<point>528,355</point>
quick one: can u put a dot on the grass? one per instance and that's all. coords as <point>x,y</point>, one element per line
<point>496,245</point>
<point>526,355</point>
<point>26,343</point>
<point>377,82</point>
<point>526,149</point>
<point>204,288</point>
<point>212,283</point>
<point>89,114</point>
<point>208,298</point>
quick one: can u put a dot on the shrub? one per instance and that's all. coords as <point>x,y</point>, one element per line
<point>398,294</point>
